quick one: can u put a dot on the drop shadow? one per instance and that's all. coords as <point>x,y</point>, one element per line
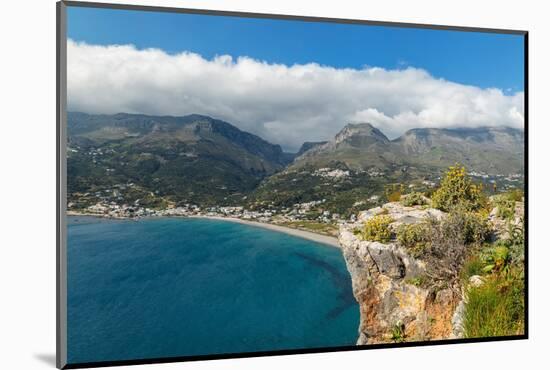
<point>46,358</point>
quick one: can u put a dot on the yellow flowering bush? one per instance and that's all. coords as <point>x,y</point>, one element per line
<point>378,229</point>
<point>457,189</point>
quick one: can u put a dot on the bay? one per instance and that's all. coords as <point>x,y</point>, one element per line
<point>167,287</point>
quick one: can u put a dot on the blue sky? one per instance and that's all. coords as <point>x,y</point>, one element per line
<point>479,59</point>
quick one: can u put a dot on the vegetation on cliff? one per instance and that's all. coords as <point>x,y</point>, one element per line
<point>473,249</point>
<point>443,243</point>
<point>497,307</point>
<point>378,229</point>
<point>457,189</point>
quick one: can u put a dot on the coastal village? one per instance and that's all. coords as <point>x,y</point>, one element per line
<point>111,203</point>
<point>297,212</point>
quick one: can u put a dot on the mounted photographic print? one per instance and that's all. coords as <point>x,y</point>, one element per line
<point>235,184</point>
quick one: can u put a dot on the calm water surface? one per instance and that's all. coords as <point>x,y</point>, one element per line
<point>179,287</point>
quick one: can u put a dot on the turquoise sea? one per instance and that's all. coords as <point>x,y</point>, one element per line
<point>179,287</point>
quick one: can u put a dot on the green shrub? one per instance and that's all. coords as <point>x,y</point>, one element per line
<point>378,229</point>
<point>449,240</point>
<point>394,196</point>
<point>463,226</point>
<point>497,258</point>
<point>414,237</point>
<point>506,208</point>
<point>413,199</point>
<point>473,266</point>
<point>476,225</point>
<point>398,332</point>
<point>416,281</point>
<point>393,192</point>
<point>457,189</point>
<point>516,242</point>
<point>429,192</point>
<point>515,195</point>
<point>495,308</point>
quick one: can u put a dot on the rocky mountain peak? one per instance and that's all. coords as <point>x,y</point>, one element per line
<point>357,130</point>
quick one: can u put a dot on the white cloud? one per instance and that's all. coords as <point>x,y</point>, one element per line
<point>283,104</point>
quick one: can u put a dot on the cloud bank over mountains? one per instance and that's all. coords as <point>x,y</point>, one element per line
<point>286,105</point>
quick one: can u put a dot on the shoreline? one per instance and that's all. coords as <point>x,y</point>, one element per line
<point>308,235</point>
<point>319,238</point>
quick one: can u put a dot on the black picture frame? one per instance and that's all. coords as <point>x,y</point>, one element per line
<point>61,176</point>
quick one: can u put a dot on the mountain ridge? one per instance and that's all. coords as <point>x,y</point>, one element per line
<point>143,124</point>
<point>191,158</point>
<point>201,160</point>
<point>486,149</point>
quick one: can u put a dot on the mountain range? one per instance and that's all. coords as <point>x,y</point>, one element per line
<point>495,150</point>
<point>197,157</point>
<point>204,160</point>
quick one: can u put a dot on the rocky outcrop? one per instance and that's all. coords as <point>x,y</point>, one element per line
<point>399,213</point>
<point>393,305</point>
<point>309,145</point>
<point>398,296</point>
<point>501,226</point>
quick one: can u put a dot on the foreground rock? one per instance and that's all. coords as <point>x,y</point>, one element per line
<point>501,226</point>
<point>394,304</point>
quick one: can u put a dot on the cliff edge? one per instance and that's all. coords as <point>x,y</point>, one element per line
<point>414,267</point>
<point>387,283</point>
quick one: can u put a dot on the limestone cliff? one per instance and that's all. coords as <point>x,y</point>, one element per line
<point>401,295</point>
<point>392,306</point>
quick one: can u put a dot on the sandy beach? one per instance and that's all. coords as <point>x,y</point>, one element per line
<point>324,239</point>
<point>328,240</point>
